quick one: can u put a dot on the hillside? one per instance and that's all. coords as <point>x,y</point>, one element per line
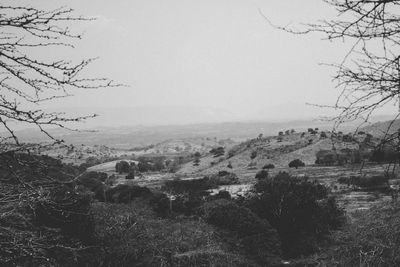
<point>255,153</point>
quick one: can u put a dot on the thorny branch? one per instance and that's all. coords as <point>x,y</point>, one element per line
<point>26,80</point>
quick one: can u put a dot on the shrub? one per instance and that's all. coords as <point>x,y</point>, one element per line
<point>371,240</point>
<point>297,208</point>
<point>296,163</point>
<point>263,174</point>
<point>178,186</point>
<point>255,236</point>
<point>217,152</point>
<point>126,193</point>
<point>122,167</point>
<point>268,166</point>
<point>94,182</point>
<point>365,182</point>
<point>131,235</point>
<point>131,175</point>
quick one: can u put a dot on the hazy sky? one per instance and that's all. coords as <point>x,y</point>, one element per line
<point>216,55</point>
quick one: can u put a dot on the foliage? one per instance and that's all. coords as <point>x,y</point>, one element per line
<point>297,208</point>
<point>126,193</point>
<point>366,181</point>
<point>255,236</point>
<point>296,163</point>
<point>122,167</point>
<point>218,151</point>
<point>370,240</point>
<point>131,235</point>
<point>94,182</point>
<point>268,166</point>
<point>263,174</point>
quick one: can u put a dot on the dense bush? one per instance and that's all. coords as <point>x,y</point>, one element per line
<point>255,236</point>
<point>366,181</point>
<point>131,235</point>
<point>178,186</point>
<point>268,166</point>
<point>296,163</point>
<point>218,151</point>
<point>263,174</point>
<point>372,239</point>
<point>127,193</point>
<point>297,208</point>
<point>94,182</point>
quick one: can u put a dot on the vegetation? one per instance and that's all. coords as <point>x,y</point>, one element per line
<point>296,163</point>
<point>217,152</point>
<point>365,181</point>
<point>268,166</point>
<point>372,240</point>
<point>263,174</point>
<point>299,209</point>
<point>256,237</point>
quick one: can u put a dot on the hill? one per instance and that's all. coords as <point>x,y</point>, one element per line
<point>253,154</point>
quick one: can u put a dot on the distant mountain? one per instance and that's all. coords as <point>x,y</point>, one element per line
<point>128,137</point>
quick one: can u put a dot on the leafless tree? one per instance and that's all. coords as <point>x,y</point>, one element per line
<point>369,75</point>
<point>29,77</point>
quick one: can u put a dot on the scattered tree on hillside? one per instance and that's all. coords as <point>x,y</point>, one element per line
<point>229,165</point>
<point>296,163</point>
<point>217,152</point>
<point>268,166</point>
<point>322,135</point>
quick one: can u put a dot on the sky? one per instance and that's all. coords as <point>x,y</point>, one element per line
<point>219,60</point>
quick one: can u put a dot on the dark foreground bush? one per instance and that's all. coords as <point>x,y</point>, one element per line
<point>131,235</point>
<point>127,193</point>
<point>372,239</point>
<point>365,182</point>
<point>256,237</point>
<point>299,209</point>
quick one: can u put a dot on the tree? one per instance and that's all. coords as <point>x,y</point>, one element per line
<point>299,209</point>
<point>296,163</point>
<point>122,167</point>
<point>268,166</point>
<point>28,80</point>
<point>369,73</point>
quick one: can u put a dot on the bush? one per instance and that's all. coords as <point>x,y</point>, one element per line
<point>217,152</point>
<point>131,235</point>
<point>122,167</point>
<point>365,182</point>
<point>297,208</point>
<point>296,163</point>
<point>263,174</point>
<point>127,193</point>
<point>255,236</point>
<point>268,166</point>
<point>371,240</point>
